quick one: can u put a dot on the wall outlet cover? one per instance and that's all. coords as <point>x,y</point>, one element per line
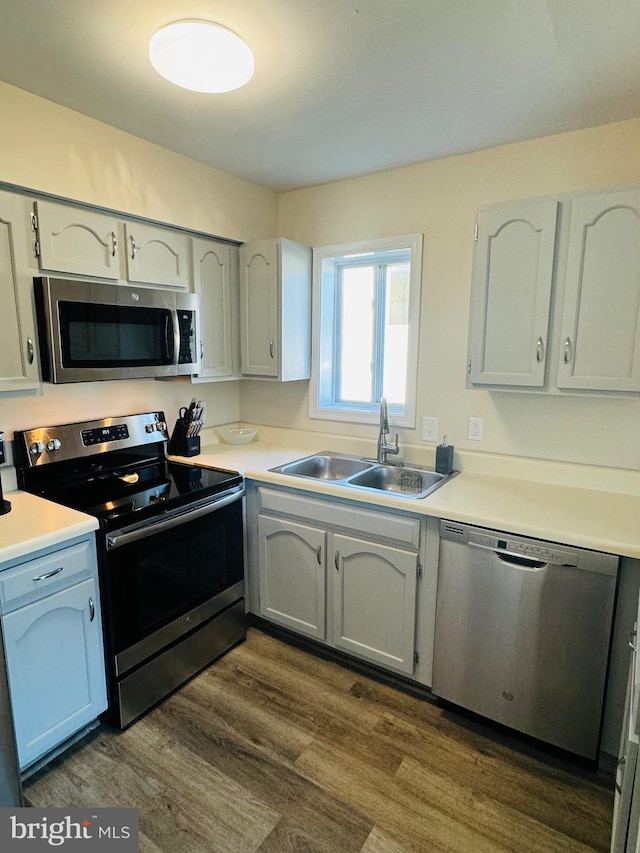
<point>475,429</point>
<point>429,429</point>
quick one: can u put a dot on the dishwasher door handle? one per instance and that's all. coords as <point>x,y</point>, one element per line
<point>521,561</point>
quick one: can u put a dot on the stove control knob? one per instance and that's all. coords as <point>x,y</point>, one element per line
<point>149,427</point>
<point>36,448</point>
<point>161,426</point>
<point>54,444</point>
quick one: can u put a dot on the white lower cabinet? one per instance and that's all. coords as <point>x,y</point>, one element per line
<point>345,575</point>
<point>54,648</point>
<point>374,601</point>
<point>292,575</point>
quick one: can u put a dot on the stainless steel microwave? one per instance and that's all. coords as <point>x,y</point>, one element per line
<point>89,331</point>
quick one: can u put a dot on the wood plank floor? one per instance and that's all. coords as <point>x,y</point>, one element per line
<point>272,749</point>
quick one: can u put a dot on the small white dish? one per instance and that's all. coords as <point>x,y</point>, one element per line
<point>237,436</point>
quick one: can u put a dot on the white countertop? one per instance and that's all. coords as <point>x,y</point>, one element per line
<point>35,523</point>
<point>588,518</point>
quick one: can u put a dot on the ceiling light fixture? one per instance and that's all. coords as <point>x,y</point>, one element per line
<point>201,56</point>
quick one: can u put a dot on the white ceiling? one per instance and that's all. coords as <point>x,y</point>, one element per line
<point>342,87</point>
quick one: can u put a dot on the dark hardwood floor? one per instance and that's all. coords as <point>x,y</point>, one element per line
<point>275,750</point>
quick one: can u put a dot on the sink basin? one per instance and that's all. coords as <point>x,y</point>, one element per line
<point>355,473</point>
<point>401,481</point>
<point>325,466</point>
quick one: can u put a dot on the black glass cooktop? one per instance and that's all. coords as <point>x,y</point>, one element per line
<point>124,494</point>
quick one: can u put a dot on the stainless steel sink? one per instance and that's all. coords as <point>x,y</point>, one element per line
<point>363,474</point>
<point>325,466</point>
<point>404,481</point>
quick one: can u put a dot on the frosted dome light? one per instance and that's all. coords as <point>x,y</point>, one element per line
<point>201,56</point>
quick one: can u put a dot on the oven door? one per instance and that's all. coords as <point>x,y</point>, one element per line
<point>166,578</point>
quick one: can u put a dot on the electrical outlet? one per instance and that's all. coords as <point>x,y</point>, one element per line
<point>429,429</point>
<point>475,429</point>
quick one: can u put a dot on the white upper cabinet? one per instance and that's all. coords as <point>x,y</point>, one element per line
<point>156,255</point>
<point>567,296</point>
<point>74,240</point>
<point>215,280</point>
<point>90,243</point>
<point>18,363</point>
<point>600,334</point>
<point>511,293</point>
<point>259,308</point>
<point>275,310</point>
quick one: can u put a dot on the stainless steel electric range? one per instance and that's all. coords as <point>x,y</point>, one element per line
<point>170,548</point>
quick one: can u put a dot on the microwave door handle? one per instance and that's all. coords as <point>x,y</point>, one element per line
<point>172,336</point>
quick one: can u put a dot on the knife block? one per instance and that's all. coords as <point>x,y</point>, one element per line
<point>180,444</point>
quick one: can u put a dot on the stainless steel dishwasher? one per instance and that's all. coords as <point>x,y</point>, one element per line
<point>523,629</point>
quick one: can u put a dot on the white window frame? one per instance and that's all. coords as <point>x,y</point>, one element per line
<point>323,344</point>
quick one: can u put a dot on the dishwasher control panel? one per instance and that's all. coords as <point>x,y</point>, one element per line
<point>506,543</point>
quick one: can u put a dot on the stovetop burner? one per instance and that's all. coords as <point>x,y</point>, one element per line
<point>116,479</point>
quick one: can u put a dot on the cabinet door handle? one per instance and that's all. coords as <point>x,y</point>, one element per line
<point>567,350</point>
<point>30,350</point>
<point>114,244</point>
<point>540,350</point>
<point>336,561</point>
<point>133,247</point>
<point>633,642</point>
<point>271,348</point>
<point>319,554</point>
<point>49,574</point>
<point>92,610</point>
<point>620,766</point>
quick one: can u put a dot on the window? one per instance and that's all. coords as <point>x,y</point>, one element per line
<point>366,318</point>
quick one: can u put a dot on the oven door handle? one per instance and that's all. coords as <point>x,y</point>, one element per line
<point>117,540</point>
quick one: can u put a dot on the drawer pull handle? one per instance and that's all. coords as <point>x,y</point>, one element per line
<point>49,574</point>
<point>92,610</point>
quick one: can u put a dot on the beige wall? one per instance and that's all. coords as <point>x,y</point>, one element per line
<point>440,199</point>
<point>49,148</point>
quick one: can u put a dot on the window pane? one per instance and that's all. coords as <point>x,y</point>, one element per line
<point>356,324</point>
<point>396,333</point>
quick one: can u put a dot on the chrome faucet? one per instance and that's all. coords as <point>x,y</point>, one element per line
<point>383,448</point>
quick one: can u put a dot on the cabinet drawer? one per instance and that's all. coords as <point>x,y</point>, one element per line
<point>38,578</point>
<point>388,526</point>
